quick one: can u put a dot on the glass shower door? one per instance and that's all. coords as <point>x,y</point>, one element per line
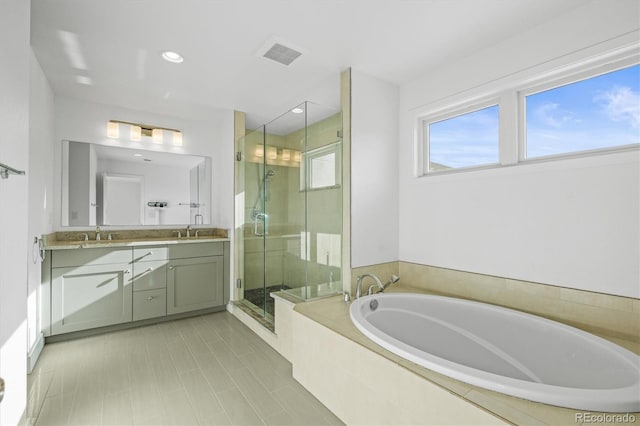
<point>255,221</point>
<point>291,175</point>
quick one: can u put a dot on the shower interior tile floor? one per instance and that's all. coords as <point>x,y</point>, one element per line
<point>205,370</point>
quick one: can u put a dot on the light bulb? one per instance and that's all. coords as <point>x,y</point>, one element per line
<point>177,138</point>
<point>113,130</point>
<point>272,152</point>
<point>156,135</point>
<point>136,133</point>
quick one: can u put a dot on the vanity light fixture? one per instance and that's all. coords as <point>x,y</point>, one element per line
<point>259,151</point>
<point>137,130</point>
<point>173,57</point>
<point>286,154</point>
<point>297,156</point>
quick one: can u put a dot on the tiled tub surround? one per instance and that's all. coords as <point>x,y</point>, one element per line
<point>613,316</point>
<point>347,371</point>
<point>602,314</point>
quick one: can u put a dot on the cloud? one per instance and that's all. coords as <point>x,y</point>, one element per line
<point>621,103</point>
<point>552,115</point>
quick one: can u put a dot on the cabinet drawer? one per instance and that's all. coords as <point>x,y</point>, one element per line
<point>149,275</point>
<point>90,256</point>
<point>150,253</point>
<point>149,304</point>
<point>184,251</point>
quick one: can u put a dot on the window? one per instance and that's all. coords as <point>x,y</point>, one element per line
<point>465,140</point>
<point>596,113</point>
<point>321,167</point>
<point>584,109</point>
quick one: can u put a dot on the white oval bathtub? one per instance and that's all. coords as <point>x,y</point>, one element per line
<point>503,350</point>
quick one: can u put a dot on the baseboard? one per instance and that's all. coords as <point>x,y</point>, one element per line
<point>34,353</point>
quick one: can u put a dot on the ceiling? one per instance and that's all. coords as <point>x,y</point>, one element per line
<point>118,45</point>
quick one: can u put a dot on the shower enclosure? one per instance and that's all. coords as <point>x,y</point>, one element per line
<point>291,170</point>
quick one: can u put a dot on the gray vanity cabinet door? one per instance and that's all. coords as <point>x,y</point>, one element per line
<point>195,283</point>
<point>84,297</point>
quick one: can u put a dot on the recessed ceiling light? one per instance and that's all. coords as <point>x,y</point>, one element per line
<point>297,110</point>
<point>170,56</point>
<point>83,79</point>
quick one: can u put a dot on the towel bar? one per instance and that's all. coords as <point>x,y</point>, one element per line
<point>5,171</point>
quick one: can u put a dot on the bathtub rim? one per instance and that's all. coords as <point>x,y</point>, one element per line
<point>612,400</point>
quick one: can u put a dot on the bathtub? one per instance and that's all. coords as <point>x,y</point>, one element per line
<point>503,350</point>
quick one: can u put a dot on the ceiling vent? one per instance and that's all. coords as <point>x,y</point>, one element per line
<point>282,54</point>
<point>279,51</point>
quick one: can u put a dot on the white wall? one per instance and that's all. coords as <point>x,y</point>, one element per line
<point>14,151</point>
<point>374,171</point>
<point>86,122</point>
<point>571,223</point>
<point>40,210</point>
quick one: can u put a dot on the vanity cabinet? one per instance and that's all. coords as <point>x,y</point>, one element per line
<point>85,288</point>
<point>90,288</point>
<point>195,277</point>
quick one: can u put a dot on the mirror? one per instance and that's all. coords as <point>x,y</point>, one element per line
<point>109,185</point>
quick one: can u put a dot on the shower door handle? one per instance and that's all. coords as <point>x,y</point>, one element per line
<point>260,217</point>
<point>1,389</point>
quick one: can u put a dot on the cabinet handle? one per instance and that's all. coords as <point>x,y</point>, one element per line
<point>128,271</point>
<point>170,267</point>
<point>150,298</point>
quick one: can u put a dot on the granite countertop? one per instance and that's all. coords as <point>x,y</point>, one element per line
<point>129,238</point>
<point>333,313</point>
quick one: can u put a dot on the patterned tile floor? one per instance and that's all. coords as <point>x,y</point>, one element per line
<point>206,370</point>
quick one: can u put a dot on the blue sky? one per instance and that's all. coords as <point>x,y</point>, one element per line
<point>466,140</point>
<point>600,112</point>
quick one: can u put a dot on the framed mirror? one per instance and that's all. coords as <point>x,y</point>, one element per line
<point>109,185</point>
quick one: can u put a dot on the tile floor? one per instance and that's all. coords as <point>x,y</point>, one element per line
<point>206,370</point>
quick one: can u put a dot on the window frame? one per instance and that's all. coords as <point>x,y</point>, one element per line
<point>509,93</point>
<point>565,79</point>
<point>449,113</point>
<point>306,168</point>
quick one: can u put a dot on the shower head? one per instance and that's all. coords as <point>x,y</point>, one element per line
<point>270,173</point>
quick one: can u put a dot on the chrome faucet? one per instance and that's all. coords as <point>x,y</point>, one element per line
<point>179,233</point>
<point>188,231</point>
<point>97,233</point>
<point>86,236</point>
<point>370,290</point>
